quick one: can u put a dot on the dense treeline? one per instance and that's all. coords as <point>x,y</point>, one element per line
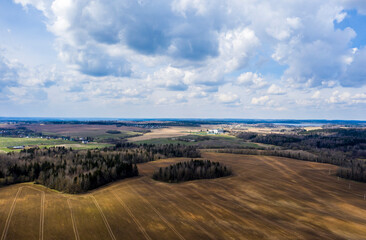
<point>341,147</point>
<point>354,169</point>
<point>76,171</point>
<point>19,131</point>
<point>191,170</point>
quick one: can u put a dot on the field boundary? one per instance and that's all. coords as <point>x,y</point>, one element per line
<point>177,207</point>
<point>141,228</point>
<point>158,213</point>
<point>104,218</point>
<point>41,217</point>
<point>41,228</point>
<point>76,232</point>
<point>216,219</point>
<point>8,219</point>
<point>237,203</point>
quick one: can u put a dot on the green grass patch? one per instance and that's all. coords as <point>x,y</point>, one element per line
<point>10,141</point>
<point>6,142</point>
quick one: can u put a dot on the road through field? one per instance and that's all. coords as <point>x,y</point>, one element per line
<point>74,228</point>
<point>265,198</point>
<point>11,211</point>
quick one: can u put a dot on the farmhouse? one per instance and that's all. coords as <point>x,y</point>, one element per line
<point>215,131</point>
<point>16,147</point>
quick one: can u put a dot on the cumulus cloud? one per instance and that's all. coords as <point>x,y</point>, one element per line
<point>19,83</point>
<point>346,97</point>
<point>275,90</point>
<point>225,35</point>
<point>170,78</point>
<point>177,99</point>
<point>228,98</point>
<point>129,50</point>
<point>9,73</point>
<point>252,80</point>
<point>236,47</point>
<point>260,100</point>
<point>356,71</point>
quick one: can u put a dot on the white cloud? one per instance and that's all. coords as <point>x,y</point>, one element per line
<point>228,98</point>
<point>251,80</point>
<point>177,99</point>
<point>275,90</point>
<point>339,97</point>
<point>129,51</point>
<point>237,46</point>
<point>171,78</point>
<point>316,95</point>
<point>260,100</point>
<point>210,37</point>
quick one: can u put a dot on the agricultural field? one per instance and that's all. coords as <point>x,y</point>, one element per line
<point>99,133</point>
<point>82,130</point>
<point>265,198</point>
<point>204,141</point>
<point>6,142</point>
<point>165,133</point>
<point>10,141</point>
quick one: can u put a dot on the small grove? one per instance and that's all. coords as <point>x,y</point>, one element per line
<point>191,170</point>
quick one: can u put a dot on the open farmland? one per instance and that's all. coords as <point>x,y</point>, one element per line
<point>204,141</point>
<point>6,142</point>
<point>165,133</point>
<point>98,132</point>
<point>266,198</point>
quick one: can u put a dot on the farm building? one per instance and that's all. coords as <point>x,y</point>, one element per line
<point>16,147</point>
<point>215,131</point>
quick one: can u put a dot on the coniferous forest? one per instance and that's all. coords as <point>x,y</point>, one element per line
<point>191,170</point>
<point>76,171</point>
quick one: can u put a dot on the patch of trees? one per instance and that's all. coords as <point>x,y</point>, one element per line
<point>76,171</point>
<point>191,170</point>
<point>18,132</point>
<point>354,170</point>
<point>113,132</point>
<point>64,169</point>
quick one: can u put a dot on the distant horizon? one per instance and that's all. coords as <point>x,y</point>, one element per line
<point>275,120</point>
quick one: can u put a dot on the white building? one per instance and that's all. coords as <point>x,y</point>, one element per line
<point>215,131</point>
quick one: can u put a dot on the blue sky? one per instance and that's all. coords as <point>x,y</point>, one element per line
<point>183,58</point>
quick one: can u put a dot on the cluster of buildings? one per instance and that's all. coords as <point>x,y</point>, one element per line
<point>215,131</point>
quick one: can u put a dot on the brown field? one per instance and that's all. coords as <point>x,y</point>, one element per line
<point>80,130</point>
<point>8,126</point>
<point>165,133</point>
<point>266,198</point>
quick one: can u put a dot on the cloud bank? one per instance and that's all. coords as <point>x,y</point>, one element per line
<point>232,53</point>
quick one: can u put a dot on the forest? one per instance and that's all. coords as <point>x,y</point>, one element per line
<point>191,170</point>
<point>345,148</point>
<point>76,171</point>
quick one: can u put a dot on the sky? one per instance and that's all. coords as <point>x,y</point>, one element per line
<point>284,59</point>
